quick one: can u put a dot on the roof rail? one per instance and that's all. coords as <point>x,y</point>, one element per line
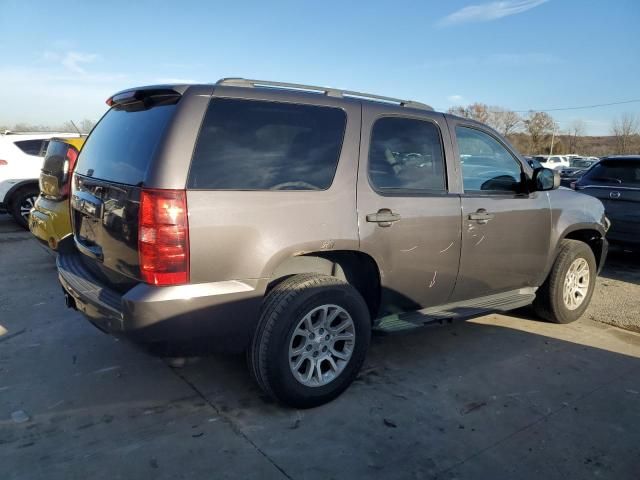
<point>329,92</point>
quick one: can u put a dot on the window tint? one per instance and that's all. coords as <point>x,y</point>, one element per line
<point>256,145</point>
<point>31,147</point>
<point>616,172</point>
<point>406,154</point>
<point>122,145</point>
<point>486,164</point>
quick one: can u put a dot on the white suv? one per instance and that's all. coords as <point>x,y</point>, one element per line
<point>556,162</point>
<point>21,158</point>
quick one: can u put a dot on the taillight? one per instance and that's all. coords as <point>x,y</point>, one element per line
<point>69,165</point>
<point>163,237</point>
<point>4,162</point>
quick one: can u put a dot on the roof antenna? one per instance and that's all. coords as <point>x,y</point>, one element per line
<point>77,129</point>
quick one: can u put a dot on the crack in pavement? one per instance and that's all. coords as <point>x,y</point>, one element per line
<point>532,424</point>
<point>236,429</point>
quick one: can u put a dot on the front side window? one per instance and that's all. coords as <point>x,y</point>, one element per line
<point>406,155</point>
<point>259,145</point>
<point>486,164</point>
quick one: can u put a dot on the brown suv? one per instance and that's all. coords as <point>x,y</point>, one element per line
<point>290,221</point>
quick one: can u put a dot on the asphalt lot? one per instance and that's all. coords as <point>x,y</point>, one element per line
<point>503,396</point>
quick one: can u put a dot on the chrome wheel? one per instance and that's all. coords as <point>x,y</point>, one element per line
<point>26,206</point>
<point>576,284</point>
<point>321,345</point>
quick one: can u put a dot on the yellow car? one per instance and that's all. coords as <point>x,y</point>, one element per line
<point>49,220</point>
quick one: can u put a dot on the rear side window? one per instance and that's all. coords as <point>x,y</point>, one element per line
<point>616,172</point>
<point>406,155</point>
<point>33,147</point>
<point>122,146</point>
<point>257,145</point>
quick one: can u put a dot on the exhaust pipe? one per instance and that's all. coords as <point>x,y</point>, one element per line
<point>69,301</point>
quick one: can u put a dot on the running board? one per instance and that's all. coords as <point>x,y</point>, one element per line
<point>445,314</point>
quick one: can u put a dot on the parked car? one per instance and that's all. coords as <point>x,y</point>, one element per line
<point>616,182</point>
<point>21,157</point>
<point>289,221</point>
<point>533,162</point>
<point>50,221</point>
<point>555,162</point>
<point>578,166</point>
<point>582,162</point>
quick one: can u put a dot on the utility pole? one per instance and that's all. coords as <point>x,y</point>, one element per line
<point>553,137</point>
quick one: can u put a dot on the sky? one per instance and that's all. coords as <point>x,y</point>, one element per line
<point>61,60</point>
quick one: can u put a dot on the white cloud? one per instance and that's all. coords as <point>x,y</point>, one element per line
<point>489,11</point>
<point>70,60</point>
<point>456,99</point>
<point>73,61</point>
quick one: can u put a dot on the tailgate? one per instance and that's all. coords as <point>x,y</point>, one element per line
<point>107,185</point>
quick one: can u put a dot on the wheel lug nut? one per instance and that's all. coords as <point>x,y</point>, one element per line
<point>311,336</point>
<point>324,349</point>
<point>327,337</point>
<point>315,354</point>
<point>309,347</point>
<point>322,330</point>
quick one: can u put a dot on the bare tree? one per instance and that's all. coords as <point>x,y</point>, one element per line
<point>623,129</point>
<point>575,131</point>
<point>539,125</point>
<point>505,121</point>
<point>87,125</point>
<point>476,111</point>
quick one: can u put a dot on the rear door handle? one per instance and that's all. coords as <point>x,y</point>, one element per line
<point>384,217</point>
<point>481,216</point>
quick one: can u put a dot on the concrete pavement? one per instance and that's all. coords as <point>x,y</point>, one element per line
<point>503,396</point>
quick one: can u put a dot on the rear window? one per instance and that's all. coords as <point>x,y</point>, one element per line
<point>616,172</point>
<point>121,147</point>
<point>257,145</point>
<point>33,147</point>
<point>55,157</point>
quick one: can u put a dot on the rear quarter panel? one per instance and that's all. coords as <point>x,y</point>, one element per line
<point>241,235</point>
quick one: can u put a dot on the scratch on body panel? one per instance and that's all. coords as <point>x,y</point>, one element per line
<point>433,280</point>
<point>450,245</point>
<point>409,249</point>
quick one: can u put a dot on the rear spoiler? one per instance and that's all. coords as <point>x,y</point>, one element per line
<point>141,94</point>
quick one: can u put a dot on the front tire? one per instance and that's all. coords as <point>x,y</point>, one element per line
<point>567,291</point>
<point>311,340</point>
<point>21,204</point>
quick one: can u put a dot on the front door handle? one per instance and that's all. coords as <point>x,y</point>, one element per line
<point>384,217</point>
<point>481,216</point>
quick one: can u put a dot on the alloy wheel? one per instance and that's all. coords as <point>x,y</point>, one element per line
<point>321,345</point>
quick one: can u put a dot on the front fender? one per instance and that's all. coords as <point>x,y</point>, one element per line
<point>573,214</point>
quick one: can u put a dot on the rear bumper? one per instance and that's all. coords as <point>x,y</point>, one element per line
<point>221,314</point>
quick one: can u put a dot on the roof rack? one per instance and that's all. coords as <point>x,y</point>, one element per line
<point>329,92</point>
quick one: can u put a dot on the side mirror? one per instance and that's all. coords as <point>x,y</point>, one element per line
<point>546,179</point>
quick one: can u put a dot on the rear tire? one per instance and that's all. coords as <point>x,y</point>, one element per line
<point>21,203</point>
<point>567,291</point>
<point>311,340</point>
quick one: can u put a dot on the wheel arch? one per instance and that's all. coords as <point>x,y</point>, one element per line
<point>354,267</point>
<point>586,233</point>
<point>31,182</point>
